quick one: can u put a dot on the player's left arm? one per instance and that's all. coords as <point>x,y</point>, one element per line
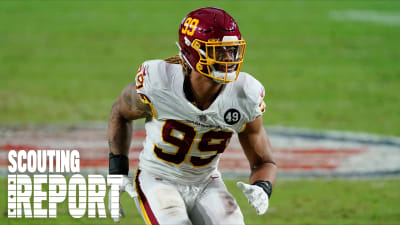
<point>258,150</point>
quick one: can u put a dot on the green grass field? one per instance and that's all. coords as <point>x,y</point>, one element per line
<point>293,202</point>
<point>66,61</point>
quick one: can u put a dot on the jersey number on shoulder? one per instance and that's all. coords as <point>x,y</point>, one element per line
<point>182,136</point>
<point>141,73</point>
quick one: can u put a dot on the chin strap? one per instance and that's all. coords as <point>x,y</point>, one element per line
<point>221,75</point>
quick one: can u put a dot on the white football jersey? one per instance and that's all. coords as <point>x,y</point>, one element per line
<point>182,142</point>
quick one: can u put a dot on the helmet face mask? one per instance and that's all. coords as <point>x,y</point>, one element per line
<point>211,43</point>
<point>220,60</point>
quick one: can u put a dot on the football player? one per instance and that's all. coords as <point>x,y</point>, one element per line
<point>193,103</point>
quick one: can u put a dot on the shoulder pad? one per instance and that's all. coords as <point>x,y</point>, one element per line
<point>154,74</point>
<point>251,94</point>
<point>251,89</point>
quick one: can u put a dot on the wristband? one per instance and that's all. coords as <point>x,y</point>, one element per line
<point>118,164</point>
<point>265,185</point>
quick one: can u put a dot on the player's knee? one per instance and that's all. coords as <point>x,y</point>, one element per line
<point>168,198</point>
<point>230,212</point>
<point>175,214</point>
<point>171,205</point>
<point>173,210</point>
<point>229,204</point>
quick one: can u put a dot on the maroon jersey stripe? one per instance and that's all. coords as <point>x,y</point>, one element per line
<point>146,205</point>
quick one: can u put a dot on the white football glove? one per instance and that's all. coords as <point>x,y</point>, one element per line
<point>256,196</point>
<point>126,186</point>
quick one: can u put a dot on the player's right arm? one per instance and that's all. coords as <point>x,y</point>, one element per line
<point>127,107</point>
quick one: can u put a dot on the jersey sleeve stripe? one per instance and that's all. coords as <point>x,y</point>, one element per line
<point>153,110</point>
<point>146,100</point>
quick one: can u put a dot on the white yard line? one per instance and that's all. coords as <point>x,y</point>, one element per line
<point>369,16</point>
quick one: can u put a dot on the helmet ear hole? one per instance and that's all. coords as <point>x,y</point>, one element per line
<point>187,52</point>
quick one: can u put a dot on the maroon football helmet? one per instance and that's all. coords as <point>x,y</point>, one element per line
<point>211,43</point>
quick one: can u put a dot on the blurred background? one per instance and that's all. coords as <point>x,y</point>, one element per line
<point>325,65</point>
